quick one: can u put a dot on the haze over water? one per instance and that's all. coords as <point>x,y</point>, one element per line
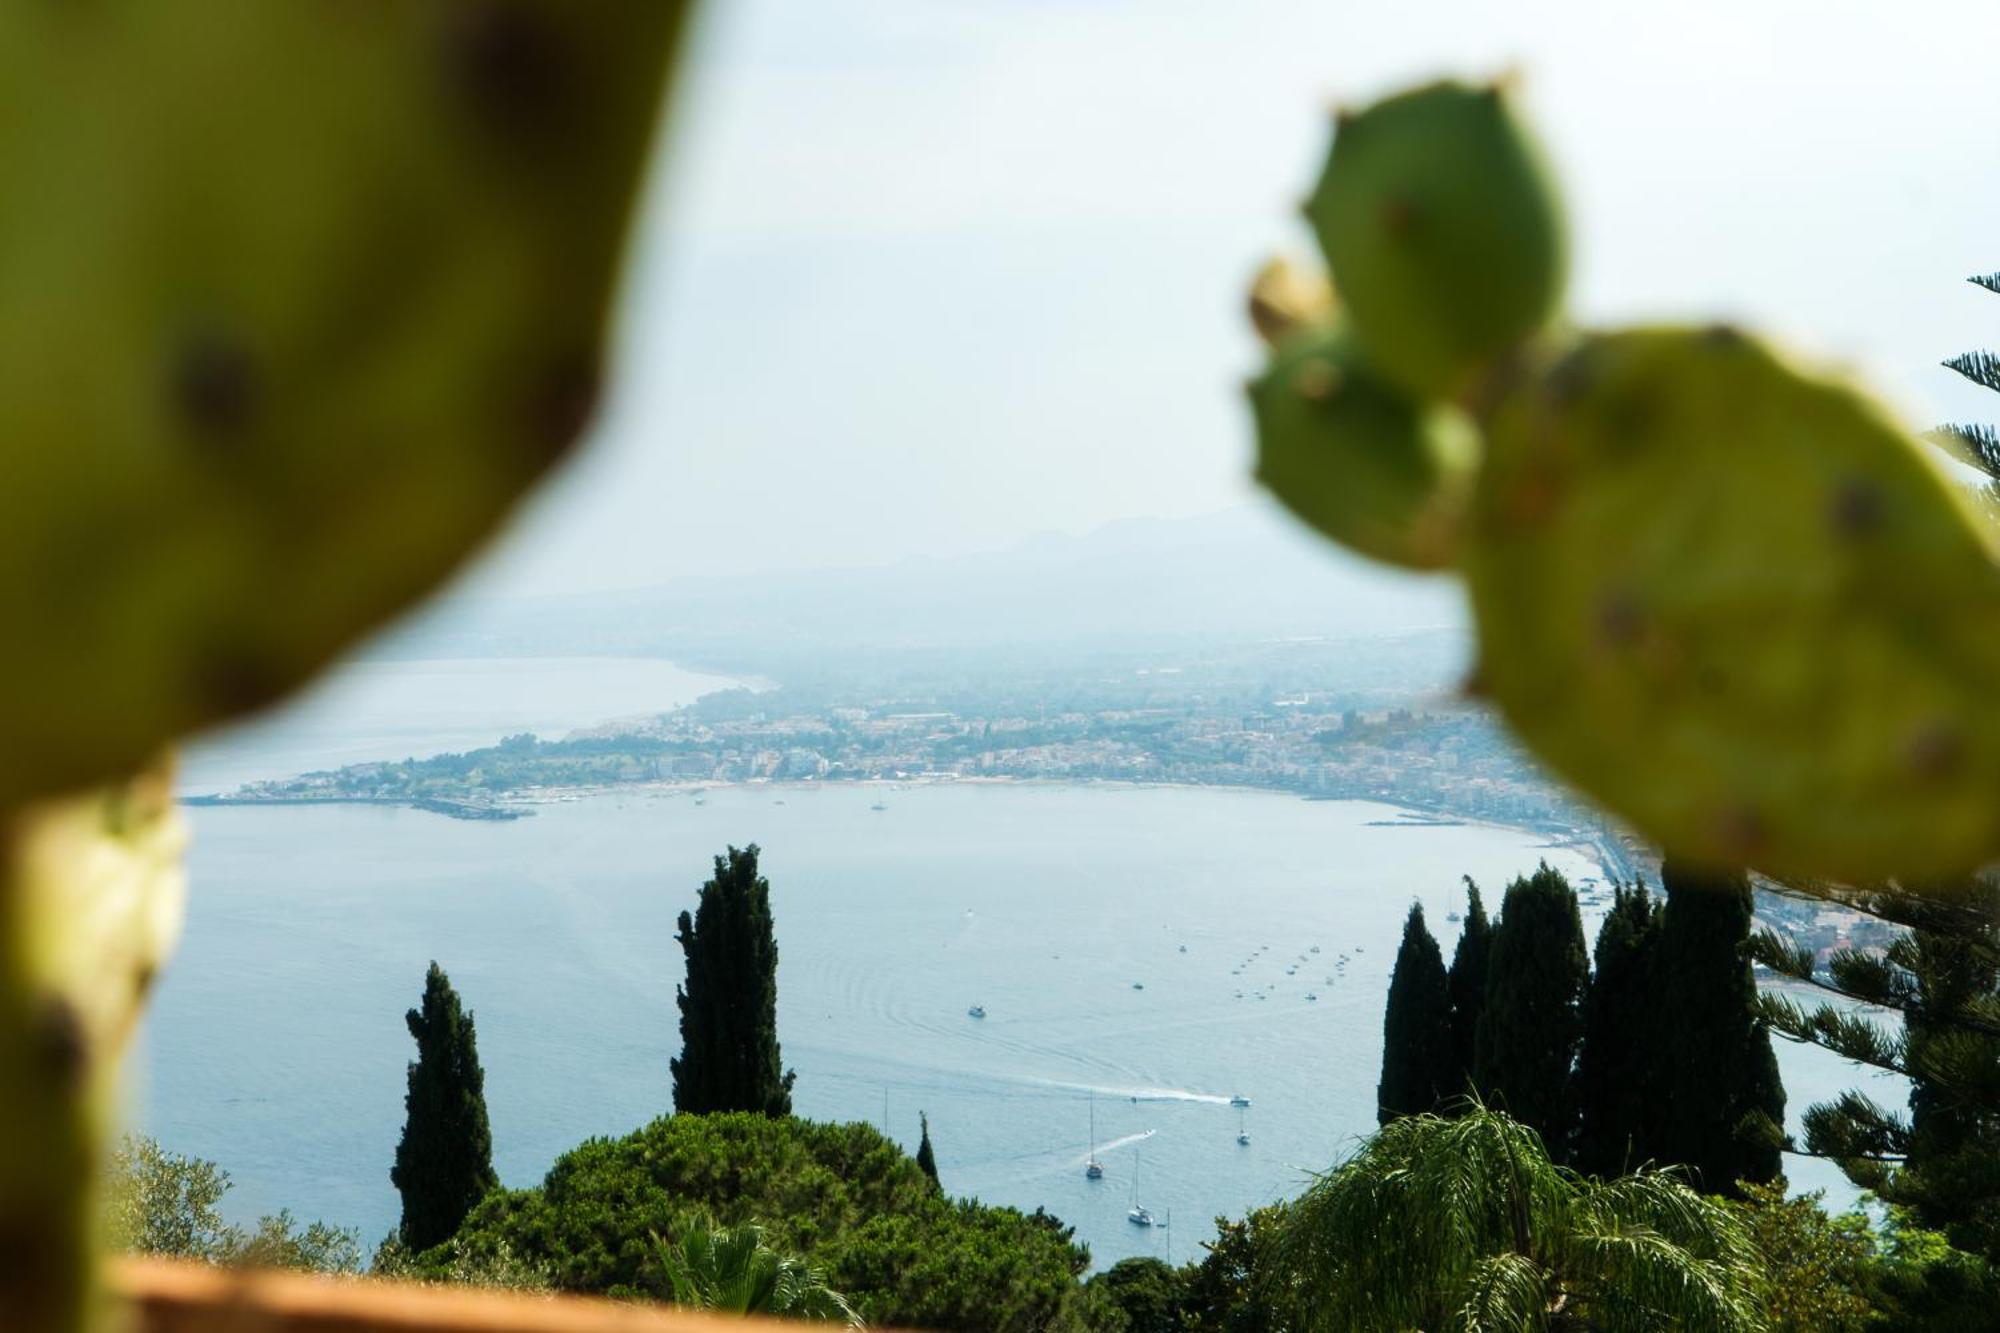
<point>276,1045</point>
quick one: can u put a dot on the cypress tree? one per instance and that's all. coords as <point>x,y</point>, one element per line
<point>1623,1049</point>
<point>1467,984</point>
<point>444,1162</point>
<point>1723,1100</point>
<point>1536,976</point>
<point>729,1057</point>
<point>926,1159</point>
<point>1419,1069</point>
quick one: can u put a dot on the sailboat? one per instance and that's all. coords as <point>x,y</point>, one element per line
<point>1092,1168</point>
<point>1140,1216</point>
<point>1242,1130</point>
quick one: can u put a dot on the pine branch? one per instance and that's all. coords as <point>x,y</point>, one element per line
<point>1872,980</point>
<point>1854,1128</point>
<point>1831,1030</point>
<point>1887,1158</point>
<point>1973,444</point>
<point>1990,281</point>
<point>1779,954</point>
<point>1982,368</point>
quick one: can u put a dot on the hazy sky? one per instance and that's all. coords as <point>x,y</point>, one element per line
<point>929,276</point>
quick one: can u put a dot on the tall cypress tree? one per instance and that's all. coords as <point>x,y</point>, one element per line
<point>1536,976</point>
<point>444,1162</point>
<point>926,1159</point>
<point>729,1057</point>
<point>1467,984</point>
<point>1419,1068</point>
<point>1624,1041</point>
<point>1723,1099</point>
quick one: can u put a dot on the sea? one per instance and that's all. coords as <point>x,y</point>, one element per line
<point>1142,956</point>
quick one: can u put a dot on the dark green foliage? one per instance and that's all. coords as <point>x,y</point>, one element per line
<point>1718,1086</point>
<point>1979,444</point>
<point>1840,1274</point>
<point>1419,1069</point>
<point>1941,1162</point>
<point>926,1159</point>
<point>1528,1035</point>
<point>444,1162</point>
<point>1139,1296</point>
<point>729,1057</point>
<point>1230,1289</point>
<point>1467,984</point>
<point>1618,1108</point>
<point>841,1197</point>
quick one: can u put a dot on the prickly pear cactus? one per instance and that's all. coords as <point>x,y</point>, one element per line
<point>1732,602</point>
<point>1740,607</point>
<point>1444,231</point>
<point>90,895</point>
<point>1367,466</point>
<point>295,299</point>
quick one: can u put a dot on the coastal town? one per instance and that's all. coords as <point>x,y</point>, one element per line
<point>1434,757</point>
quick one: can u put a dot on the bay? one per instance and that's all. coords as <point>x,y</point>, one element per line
<point>276,1045</point>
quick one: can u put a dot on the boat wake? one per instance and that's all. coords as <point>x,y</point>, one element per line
<point>1125,1142</point>
<point>1168,1095</point>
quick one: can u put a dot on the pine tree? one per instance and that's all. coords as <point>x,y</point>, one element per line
<point>1536,977</point>
<point>1624,1041</point>
<point>1419,1069</point>
<point>444,1163</point>
<point>1721,1094</point>
<point>1942,978</point>
<point>1467,985</point>
<point>926,1159</point>
<point>1977,444</point>
<point>729,1057</point>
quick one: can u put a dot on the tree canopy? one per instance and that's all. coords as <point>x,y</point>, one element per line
<point>1467,984</point>
<point>1941,1160</point>
<point>845,1200</point>
<point>1419,1064</point>
<point>1536,977</point>
<point>444,1161</point>
<point>1723,1101</point>
<point>1619,1065</point>
<point>729,1058</point>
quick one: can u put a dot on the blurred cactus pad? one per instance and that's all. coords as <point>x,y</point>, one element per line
<point>1731,600</point>
<point>295,301</point>
<point>90,906</point>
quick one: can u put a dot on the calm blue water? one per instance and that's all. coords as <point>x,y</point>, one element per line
<point>276,1045</point>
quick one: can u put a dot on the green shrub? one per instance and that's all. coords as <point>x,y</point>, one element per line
<point>841,1197</point>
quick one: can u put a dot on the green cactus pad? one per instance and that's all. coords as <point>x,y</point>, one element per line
<point>1445,233</point>
<point>90,904</point>
<point>295,299</point>
<point>1356,458</point>
<point>1738,607</point>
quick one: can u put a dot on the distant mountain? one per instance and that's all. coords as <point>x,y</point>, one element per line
<point>1138,586</point>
